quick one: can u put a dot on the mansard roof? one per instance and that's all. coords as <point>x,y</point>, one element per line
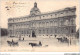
<point>37,9</point>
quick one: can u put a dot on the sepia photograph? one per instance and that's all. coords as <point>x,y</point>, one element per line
<point>39,26</point>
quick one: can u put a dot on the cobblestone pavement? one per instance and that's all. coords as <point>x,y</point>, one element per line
<point>51,42</point>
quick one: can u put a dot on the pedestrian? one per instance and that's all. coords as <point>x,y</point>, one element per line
<point>40,43</point>
<point>23,38</point>
<point>12,40</point>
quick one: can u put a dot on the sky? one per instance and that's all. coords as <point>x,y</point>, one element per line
<point>19,8</point>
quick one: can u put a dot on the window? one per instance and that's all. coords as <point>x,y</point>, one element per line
<point>55,14</point>
<point>51,31</point>
<point>10,25</point>
<point>51,22</point>
<point>33,24</point>
<point>22,32</point>
<point>72,21</point>
<point>39,23</point>
<point>66,22</point>
<point>66,11</point>
<point>47,23</point>
<point>43,31</point>
<point>72,31</point>
<point>50,35</point>
<point>27,32</point>
<point>11,31</point>
<point>47,30</point>
<point>43,16</point>
<point>13,20</point>
<point>61,13</point>
<point>39,31</point>
<point>27,25</point>
<point>55,23</point>
<point>55,31</point>
<point>16,25</point>
<point>24,24</point>
<point>43,24</point>
<point>17,32</point>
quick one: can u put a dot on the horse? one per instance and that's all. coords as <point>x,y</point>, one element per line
<point>66,40</point>
<point>15,43</point>
<point>35,44</point>
<point>63,39</point>
<point>12,43</point>
<point>59,39</point>
<point>9,43</point>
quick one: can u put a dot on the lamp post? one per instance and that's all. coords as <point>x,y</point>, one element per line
<point>19,36</point>
<point>70,40</point>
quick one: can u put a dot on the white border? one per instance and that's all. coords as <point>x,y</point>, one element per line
<point>41,53</point>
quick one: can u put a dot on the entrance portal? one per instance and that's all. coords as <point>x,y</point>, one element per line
<point>55,35</point>
<point>33,34</point>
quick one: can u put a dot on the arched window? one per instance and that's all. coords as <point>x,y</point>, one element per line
<point>55,31</point>
<point>47,30</point>
<point>33,24</point>
<point>39,31</point>
<point>22,32</point>
<point>61,13</point>
<point>66,22</point>
<point>55,14</point>
<point>44,24</point>
<point>51,23</point>
<point>11,31</point>
<point>72,21</point>
<point>13,20</point>
<point>27,32</point>
<point>39,23</point>
<point>72,31</point>
<point>47,23</point>
<point>51,31</point>
<point>43,31</point>
<point>43,16</point>
<point>55,23</point>
<point>51,15</point>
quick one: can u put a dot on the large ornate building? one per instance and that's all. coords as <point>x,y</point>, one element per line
<point>37,24</point>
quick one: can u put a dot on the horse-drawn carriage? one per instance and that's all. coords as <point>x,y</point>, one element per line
<point>64,39</point>
<point>12,43</point>
<point>35,44</point>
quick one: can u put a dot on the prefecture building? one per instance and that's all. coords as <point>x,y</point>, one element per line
<point>36,24</point>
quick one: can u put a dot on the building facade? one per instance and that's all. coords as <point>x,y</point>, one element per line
<point>37,24</point>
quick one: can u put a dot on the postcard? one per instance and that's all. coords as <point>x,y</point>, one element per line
<point>39,25</point>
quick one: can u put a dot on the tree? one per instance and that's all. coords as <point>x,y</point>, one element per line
<point>4,32</point>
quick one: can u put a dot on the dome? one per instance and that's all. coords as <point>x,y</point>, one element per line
<point>35,10</point>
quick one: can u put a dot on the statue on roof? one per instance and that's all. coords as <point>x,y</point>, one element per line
<point>35,10</point>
